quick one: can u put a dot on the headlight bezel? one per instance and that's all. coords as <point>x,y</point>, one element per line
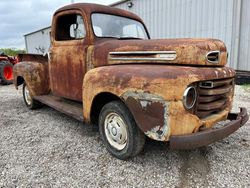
<point>190,93</point>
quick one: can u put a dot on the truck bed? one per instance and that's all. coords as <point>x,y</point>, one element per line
<point>33,57</point>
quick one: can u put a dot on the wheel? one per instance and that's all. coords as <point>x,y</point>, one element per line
<point>6,72</point>
<point>119,132</point>
<point>28,100</point>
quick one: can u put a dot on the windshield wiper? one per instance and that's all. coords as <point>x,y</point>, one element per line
<point>129,37</point>
<point>120,38</point>
<point>110,36</point>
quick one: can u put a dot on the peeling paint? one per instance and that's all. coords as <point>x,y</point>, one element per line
<point>143,106</point>
<point>149,83</point>
<point>34,70</point>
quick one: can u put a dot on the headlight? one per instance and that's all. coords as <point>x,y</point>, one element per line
<point>189,97</point>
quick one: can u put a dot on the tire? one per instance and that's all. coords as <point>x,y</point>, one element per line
<point>28,100</point>
<point>119,132</point>
<point>6,72</point>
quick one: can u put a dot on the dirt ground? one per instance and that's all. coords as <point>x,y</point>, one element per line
<point>44,148</point>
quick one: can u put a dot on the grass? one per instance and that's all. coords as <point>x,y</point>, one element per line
<point>246,86</point>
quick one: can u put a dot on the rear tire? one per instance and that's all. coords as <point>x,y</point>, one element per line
<point>119,132</point>
<point>28,100</point>
<point>6,72</point>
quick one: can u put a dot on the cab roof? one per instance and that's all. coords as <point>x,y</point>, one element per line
<point>90,8</point>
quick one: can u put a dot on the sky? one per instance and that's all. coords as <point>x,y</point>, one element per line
<point>19,17</point>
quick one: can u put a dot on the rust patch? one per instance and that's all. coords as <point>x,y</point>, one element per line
<point>166,83</point>
<point>188,51</point>
<point>35,74</point>
<point>181,121</point>
<point>67,69</point>
<point>33,57</point>
<point>150,113</point>
<point>89,63</point>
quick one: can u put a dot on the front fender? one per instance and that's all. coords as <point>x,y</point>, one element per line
<point>35,74</point>
<point>153,94</point>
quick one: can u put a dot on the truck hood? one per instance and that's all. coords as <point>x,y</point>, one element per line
<point>204,52</point>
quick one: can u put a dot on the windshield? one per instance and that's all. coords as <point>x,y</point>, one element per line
<point>105,25</point>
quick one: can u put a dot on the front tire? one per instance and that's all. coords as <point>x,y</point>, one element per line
<point>28,100</point>
<point>119,132</point>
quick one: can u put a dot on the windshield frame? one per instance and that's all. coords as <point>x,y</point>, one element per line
<point>141,22</point>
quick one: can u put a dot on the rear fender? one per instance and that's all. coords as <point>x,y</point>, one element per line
<point>35,74</point>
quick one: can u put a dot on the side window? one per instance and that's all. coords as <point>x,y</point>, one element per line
<point>70,27</point>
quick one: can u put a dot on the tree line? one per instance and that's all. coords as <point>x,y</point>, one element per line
<point>12,51</point>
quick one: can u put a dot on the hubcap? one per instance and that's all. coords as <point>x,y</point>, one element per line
<point>115,131</point>
<point>27,96</point>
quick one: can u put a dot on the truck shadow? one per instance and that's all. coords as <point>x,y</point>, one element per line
<point>193,165</point>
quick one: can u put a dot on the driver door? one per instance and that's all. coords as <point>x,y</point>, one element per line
<point>67,56</point>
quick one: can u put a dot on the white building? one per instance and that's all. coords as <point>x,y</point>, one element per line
<point>38,42</point>
<point>228,20</point>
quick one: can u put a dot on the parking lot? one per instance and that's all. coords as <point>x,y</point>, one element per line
<point>44,148</point>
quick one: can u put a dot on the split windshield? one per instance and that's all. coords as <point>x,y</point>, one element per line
<point>105,25</point>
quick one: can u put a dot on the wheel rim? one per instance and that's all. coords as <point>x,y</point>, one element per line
<point>7,72</point>
<point>27,96</point>
<point>116,131</point>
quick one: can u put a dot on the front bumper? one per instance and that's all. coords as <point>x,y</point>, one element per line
<point>208,136</point>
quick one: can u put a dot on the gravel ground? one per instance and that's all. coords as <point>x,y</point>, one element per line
<point>44,148</point>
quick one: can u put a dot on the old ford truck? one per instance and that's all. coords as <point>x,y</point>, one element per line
<point>103,69</point>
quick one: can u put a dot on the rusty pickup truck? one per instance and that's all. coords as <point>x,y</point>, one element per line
<point>103,69</point>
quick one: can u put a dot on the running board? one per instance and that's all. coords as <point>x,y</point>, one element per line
<point>71,108</point>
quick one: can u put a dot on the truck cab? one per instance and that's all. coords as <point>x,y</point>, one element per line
<point>103,69</point>
<point>75,30</point>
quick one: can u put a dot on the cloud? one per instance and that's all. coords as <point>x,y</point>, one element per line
<point>18,18</point>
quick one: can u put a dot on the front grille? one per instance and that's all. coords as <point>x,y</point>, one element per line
<point>213,96</point>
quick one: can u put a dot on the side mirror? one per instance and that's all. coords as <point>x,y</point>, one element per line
<point>73,30</point>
